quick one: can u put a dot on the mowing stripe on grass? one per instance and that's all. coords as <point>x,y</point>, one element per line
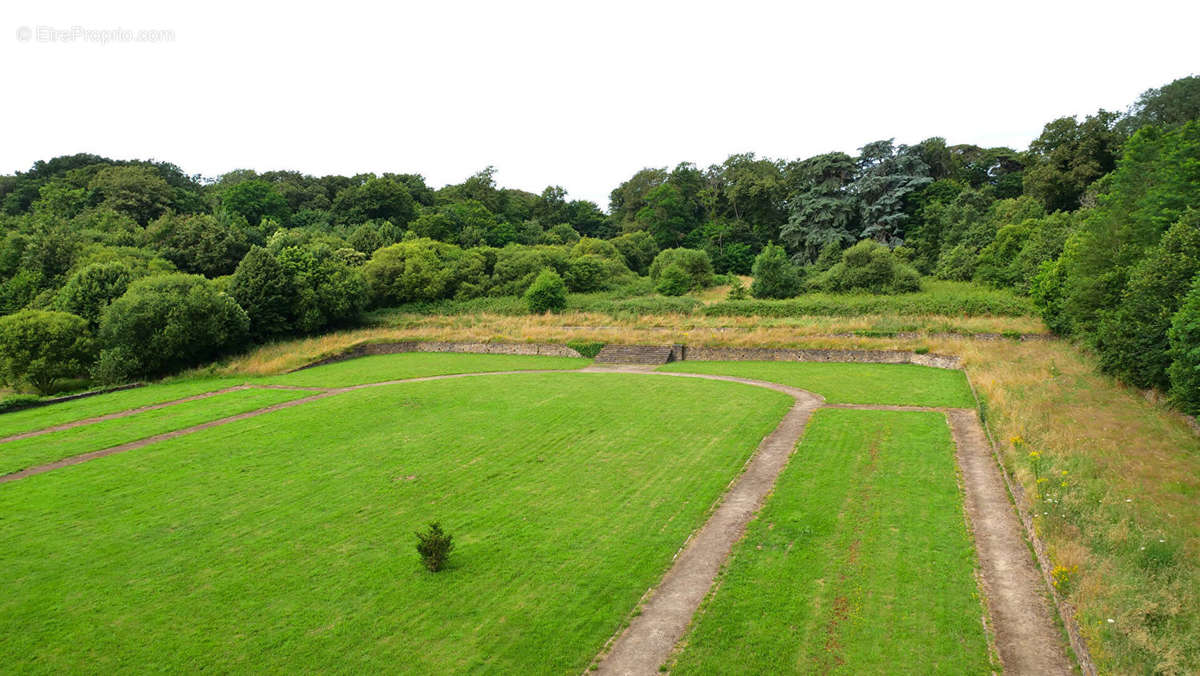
<point>850,383</point>
<point>76,459</point>
<point>860,562</point>
<point>77,440</point>
<point>30,419</point>
<point>143,409</point>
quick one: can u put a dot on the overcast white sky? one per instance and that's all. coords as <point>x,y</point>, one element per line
<point>571,93</point>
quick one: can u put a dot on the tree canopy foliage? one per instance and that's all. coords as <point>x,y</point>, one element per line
<point>1095,220</point>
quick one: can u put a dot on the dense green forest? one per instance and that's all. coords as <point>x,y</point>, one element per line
<point>127,269</point>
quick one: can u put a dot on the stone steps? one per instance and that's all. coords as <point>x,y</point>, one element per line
<point>634,354</point>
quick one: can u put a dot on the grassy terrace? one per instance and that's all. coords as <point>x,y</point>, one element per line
<point>908,384</point>
<point>40,417</point>
<point>860,562</point>
<point>1133,465</point>
<point>284,542</point>
<point>19,454</point>
<point>382,368</point>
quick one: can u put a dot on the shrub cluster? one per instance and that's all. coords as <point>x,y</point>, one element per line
<point>871,267</point>
<point>691,267</point>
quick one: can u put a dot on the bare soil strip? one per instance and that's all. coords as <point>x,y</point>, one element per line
<point>1027,637</point>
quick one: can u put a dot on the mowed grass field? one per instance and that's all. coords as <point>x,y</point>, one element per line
<point>382,368</point>
<point>21,453</point>
<point>900,384</point>
<point>285,542</point>
<point>41,417</point>
<point>859,563</point>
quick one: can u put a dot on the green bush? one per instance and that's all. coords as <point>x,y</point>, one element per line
<point>262,288</point>
<point>737,289</point>
<point>89,290</point>
<point>869,266</point>
<point>774,275</point>
<point>590,246</point>
<point>695,263</point>
<point>16,402</point>
<point>422,269</point>
<point>434,545</point>
<point>166,323</point>
<point>674,281</point>
<point>517,266</point>
<point>199,243</point>
<point>1184,336</point>
<point>548,293</point>
<point>38,347</point>
<point>329,292</point>
<point>638,249</point>
<point>586,348</point>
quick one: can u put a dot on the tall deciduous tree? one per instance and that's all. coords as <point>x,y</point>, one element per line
<point>39,347</point>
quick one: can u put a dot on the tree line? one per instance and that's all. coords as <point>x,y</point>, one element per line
<point>140,269</point>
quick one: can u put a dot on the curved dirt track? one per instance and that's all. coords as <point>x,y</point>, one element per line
<point>1022,620</point>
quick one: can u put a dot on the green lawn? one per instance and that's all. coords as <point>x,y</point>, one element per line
<point>907,384</point>
<point>860,562</point>
<point>22,453</point>
<point>416,365</point>
<point>285,543</point>
<point>30,419</point>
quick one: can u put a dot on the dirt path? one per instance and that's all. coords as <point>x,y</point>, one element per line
<point>650,637</point>
<point>1027,637</point>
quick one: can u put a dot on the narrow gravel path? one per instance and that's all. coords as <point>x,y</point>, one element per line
<point>650,638</point>
<point>1027,638</point>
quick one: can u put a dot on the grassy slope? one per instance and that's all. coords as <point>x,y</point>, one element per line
<point>22,453</point>
<point>937,297</point>
<point>859,563</point>
<point>284,542</point>
<point>850,383</point>
<point>56,414</point>
<point>418,364</point>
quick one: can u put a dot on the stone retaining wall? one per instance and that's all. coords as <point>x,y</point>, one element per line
<point>685,353</point>
<point>369,349</point>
